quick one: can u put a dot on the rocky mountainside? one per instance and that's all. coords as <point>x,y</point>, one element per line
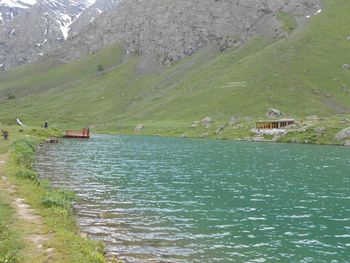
<point>162,29</point>
<point>11,8</point>
<point>32,28</point>
<point>170,30</point>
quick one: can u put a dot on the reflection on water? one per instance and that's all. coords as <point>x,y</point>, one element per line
<point>182,200</point>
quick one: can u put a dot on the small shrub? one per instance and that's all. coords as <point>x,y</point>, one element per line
<point>97,257</point>
<point>27,174</point>
<point>11,96</point>
<point>24,153</point>
<point>59,198</point>
<point>100,70</point>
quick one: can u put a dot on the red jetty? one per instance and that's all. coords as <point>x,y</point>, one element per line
<point>84,134</point>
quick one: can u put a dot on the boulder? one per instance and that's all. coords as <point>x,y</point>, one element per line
<point>346,66</point>
<point>207,120</point>
<point>258,139</point>
<point>347,143</point>
<point>273,113</point>
<point>343,135</point>
<point>348,38</point>
<point>204,135</point>
<point>320,130</point>
<point>220,129</point>
<point>316,91</point>
<point>183,135</point>
<point>139,127</point>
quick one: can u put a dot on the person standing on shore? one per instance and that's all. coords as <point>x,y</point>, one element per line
<point>5,134</point>
<point>46,125</point>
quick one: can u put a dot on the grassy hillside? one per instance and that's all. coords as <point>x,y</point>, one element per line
<point>301,75</point>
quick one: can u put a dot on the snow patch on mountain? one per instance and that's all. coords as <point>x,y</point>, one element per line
<point>18,3</point>
<point>90,2</point>
<point>65,22</point>
<point>315,14</point>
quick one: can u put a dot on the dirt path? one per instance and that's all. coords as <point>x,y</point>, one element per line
<point>29,223</point>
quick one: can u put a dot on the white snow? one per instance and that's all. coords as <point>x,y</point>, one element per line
<point>18,3</point>
<point>65,23</point>
<point>12,32</point>
<point>315,14</point>
<point>90,2</point>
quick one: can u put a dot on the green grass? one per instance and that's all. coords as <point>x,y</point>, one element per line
<point>9,245</point>
<point>301,75</point>
<point>289,23</point>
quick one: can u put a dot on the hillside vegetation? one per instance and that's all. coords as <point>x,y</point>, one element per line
<point>300,75</point>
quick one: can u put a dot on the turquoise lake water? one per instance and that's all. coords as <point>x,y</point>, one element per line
<point>153,199</point>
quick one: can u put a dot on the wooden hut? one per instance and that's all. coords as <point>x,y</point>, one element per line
<point>274,124</point>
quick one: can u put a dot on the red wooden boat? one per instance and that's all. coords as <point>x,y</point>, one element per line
<point>84,134</point>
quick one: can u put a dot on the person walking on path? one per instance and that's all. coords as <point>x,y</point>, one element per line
<point>46,125</point>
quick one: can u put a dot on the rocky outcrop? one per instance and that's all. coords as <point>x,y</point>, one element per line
<point>273,113</point>
<point>164,30</point>
<point>204,135</point>
<point>172,30</point>
<point>346,66</point>
<point>220,130</point>
<point>31,32</point>
<point>207,120</point>
<point>139,127</point>
<point>343,135</point>
<point>347,143</point>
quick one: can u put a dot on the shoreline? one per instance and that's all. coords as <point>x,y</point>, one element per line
<point>32,191</point>
<point>214,138</point>
<point>43,223</point>
<point>305,130</point>
<point>101,140</point>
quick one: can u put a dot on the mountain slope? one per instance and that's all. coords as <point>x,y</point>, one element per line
<point>30,29</point>
<point>171,30</point>
<point>301,75</point>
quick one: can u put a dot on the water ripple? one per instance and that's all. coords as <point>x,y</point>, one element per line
<point>171,200</point>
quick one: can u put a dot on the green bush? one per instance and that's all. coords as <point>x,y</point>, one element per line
<point>11,96</point>
<point>28,174</point>
<point>24,152</point>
